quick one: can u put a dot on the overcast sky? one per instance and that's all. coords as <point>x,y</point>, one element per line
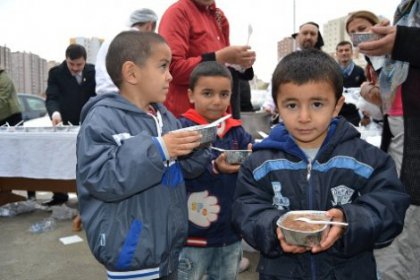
<point>43,27</point>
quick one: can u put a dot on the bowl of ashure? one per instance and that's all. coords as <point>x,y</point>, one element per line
<point>208,132</point>
<point>360,37</point>
<point>237,156</point>
<point>302,233</point>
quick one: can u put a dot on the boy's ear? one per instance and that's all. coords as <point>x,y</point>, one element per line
<point>191,96</point>
<point>129,72</point>
<point>338,106</point>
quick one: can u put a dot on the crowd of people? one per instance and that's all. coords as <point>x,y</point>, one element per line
<point>186,219</point>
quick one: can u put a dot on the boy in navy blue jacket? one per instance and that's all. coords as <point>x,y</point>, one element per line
<point>316,161</point>
<point>212,246</point>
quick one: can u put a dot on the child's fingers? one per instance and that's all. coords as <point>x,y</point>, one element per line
<point>333,235</point>
<point>288,248</point>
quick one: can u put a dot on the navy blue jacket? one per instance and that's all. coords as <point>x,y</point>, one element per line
<point>219,231</point>
<point>347,173</point>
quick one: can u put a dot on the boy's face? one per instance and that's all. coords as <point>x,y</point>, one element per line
<point>211,96</point>
<point>154,75</point>
<point>307,111</point>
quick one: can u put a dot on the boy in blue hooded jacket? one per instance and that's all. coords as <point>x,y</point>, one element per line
<point>316,161</point>
<point>131,166</point>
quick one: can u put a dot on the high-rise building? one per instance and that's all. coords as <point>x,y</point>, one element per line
<point>285,46</point>
<point>91,45</point>
<point>5,58</point>
<point>29,72</point>
<point>334,32</point>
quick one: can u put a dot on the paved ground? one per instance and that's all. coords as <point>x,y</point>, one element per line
<point>28,256</point>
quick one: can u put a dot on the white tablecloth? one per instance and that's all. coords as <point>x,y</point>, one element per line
<point>42,153</point>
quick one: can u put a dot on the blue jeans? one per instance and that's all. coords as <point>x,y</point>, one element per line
<point>219,263</point>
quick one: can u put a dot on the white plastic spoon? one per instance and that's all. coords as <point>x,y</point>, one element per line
<point>320,222</point>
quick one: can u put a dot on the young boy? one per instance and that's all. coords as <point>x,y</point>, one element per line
<point>212,246</point>
<point>316,161</point>
<point>130,186</point>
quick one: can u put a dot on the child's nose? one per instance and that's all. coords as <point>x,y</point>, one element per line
<point>304,115</point>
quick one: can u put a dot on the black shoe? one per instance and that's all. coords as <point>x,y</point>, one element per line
<point>53,202</point>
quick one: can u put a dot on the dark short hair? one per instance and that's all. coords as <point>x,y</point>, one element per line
<point>306,66</point>
<point>130,46</point>
<point>208,69</point>
<point>343,43</point>
<point>75,51</point>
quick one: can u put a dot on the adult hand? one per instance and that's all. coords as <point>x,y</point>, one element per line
<point>240,55</point>
<point>371,93</point>
<point>334,233</point>
<point>56,119</point>
<point>180,143</point>
<point>382,46</point>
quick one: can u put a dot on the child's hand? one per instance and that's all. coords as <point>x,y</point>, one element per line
<point>288,248</point>
<point>249,147</point>
<point>334,233</point>
<point>181,143</point>
<point>223,166</point>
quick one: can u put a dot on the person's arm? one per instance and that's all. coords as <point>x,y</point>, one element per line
<point>6,88</point>
<point>112,165</point>
<point>103,81</point>
<point>376,217</point>
<point>175,27</point>
<point>53,97</point>
<point>254,215</point>
<point>406,47</point>
<point>400,41</point>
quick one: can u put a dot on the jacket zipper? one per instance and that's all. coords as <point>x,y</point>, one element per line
<point>310,204</point>
<point>309,169</point>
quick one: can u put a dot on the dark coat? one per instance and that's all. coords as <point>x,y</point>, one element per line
<point>347,173</point>
<point>406,49</point>
<point>355,79</point>
<point>222,186</point>
<point>65,95</point>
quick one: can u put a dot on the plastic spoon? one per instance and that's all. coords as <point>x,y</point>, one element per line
<point>218,149</point>
<point>218,121</point>
<point>250,30</point>
<point>320,222</point>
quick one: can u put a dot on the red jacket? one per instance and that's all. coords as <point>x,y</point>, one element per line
<point>193,32</point>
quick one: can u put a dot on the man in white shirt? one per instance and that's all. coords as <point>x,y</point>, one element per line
<point>143,20</point>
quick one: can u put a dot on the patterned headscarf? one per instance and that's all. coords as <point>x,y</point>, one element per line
<point>395,72</point>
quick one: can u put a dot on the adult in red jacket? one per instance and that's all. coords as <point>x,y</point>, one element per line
<point>196,31</point>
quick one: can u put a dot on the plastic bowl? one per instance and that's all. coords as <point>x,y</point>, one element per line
<point>302,233</point>
<point>236,156</point>
<point>360,37</point>
<point>209,132</point>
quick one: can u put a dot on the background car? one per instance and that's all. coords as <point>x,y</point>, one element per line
<point>33,106</point>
